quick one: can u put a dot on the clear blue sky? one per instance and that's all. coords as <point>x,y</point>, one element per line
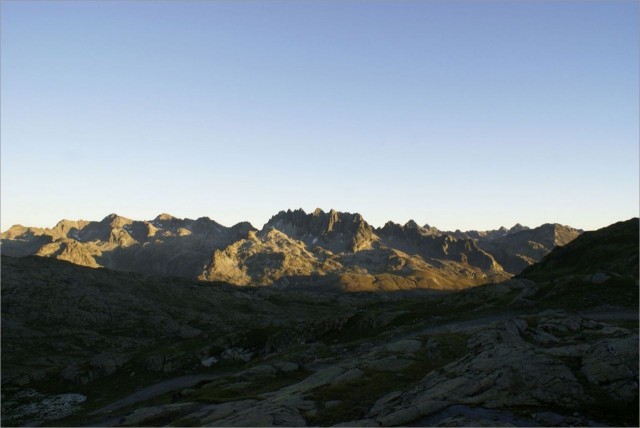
<point>460,114</point>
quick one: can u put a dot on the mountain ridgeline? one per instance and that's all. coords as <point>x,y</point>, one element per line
<point>555,346</point>
<point>294,249</point>
<point>608,252</point>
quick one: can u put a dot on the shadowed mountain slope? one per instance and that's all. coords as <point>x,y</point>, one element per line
<point>611,250</point>
<point>519,247</point>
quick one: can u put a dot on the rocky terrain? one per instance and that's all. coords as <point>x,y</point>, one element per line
<point>555,346</point>
<point>163,246</point>
<point>605,255</point>
<point>294,249</point>
<point>519,247</point>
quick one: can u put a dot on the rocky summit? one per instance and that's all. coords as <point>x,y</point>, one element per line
<point>519,247</point>
<point>556,345</point>
<point>294,249</point>
<point>163,246</point>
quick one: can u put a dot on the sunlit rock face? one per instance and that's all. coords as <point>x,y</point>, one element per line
<point>324,249</point>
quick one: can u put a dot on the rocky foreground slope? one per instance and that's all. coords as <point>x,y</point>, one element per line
<point>86,347</point>
<point>294,250</point>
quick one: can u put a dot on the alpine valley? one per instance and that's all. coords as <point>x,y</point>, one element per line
<point>318,319</point>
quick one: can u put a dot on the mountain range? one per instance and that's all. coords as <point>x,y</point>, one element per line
<point>556,345</point>
<point>294,249</point>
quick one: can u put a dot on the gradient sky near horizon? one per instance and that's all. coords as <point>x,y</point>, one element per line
<point>466,115</point>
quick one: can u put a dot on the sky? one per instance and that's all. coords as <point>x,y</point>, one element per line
<point>462,115</point>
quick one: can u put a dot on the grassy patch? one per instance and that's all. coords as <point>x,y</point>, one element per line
<point>217,392</point>
<point>574,294</point>
<point>628,324</point>
<point>356,397</point>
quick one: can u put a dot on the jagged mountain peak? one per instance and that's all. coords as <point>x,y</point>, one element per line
<point>112,217</point>
<point>65,223</point>
<point>336,241</point>
<point>520,246</point>
<point>270,233</point>
<point>18,230</point>
<point>518,227</point>
<point>333,230</point>
<point>243,225</point>
<point>393,228</point>
<point>166,245</point>
<point>556,226</point>
<point>430,230</point>
<point>165,217</point>
<point>552,231</point>
<point>299,217</point>
<point>16,227</point>
<point>410,227</point>
<point>116,221</point>
<point>66,227</point>
<point>411,224</point>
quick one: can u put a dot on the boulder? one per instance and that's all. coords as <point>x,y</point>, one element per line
<point>613,364</point>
